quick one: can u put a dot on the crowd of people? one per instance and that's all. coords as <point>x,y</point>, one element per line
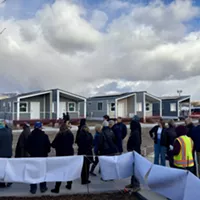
<point>107,141</point>
<point>178,144</point>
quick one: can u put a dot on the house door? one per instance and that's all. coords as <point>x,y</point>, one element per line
<point>121,109</point>
<point>35,110</point>
<point>62,109</point>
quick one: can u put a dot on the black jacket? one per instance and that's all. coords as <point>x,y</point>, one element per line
<point>153,134</point>
<point>170,136</point>
<point>85,143</point>
<point>38,144</point>
<point>135,139</point>
<point>108,142</point>
<point>63,143</point>
<point>190,129</point>
<point>6,138</point>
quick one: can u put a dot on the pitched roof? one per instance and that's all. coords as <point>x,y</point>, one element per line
<point>174,97</point>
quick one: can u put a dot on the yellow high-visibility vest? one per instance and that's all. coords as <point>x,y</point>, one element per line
<point>184,158</point>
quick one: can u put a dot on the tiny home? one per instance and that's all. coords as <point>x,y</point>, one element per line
<point>46,104</point>
<point>172,107</point>
<point>124,105</point>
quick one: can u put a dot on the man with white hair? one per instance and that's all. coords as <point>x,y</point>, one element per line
<point>108,139</point>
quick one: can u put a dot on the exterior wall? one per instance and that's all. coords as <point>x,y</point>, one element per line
<point>92,107</point>
<point>156,109</point>
<point>166,108</point>
<point>131,106</point>
<point>140,99</point>
<point>6,112</point>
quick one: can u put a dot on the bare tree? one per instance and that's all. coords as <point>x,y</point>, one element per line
<point>3,1</point>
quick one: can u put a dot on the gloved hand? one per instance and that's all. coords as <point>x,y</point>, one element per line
<point>171,147</point>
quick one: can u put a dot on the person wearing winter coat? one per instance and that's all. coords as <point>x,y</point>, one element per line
<point>97,148</point>
<point>120,132</point>
<point>63,144</point>
<point>170,138</point>
<point>20,151</point>
<point>135,139</point>
<point>6,139</point>
<point>38,145</point>
<point>134,144</point>
<point>109,141</point>
<point>85,146</point>
<point>82,123</point>
<point>157,133</point>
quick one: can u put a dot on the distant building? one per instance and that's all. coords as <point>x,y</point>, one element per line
<point>172,107</point>
<point>124,105</point>
<point>46,104</point>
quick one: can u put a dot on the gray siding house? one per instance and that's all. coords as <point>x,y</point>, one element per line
<point>47,104</point>
<point>172,107</point>
<point>124,105</point>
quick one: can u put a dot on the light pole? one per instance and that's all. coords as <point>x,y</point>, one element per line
<point>179,92</point>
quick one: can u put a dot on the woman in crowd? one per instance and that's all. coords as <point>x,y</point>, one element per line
<point>20,151</point>
<point>82,123</point>
<point>63,144</point>
<point>85,145</point>
<point>170,138</point>
<point>135,139</point>
<point>157,133</point>
<point>97,148</point>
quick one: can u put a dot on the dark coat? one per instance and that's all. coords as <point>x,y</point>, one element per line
<point>6,143</point>
<point>63,143</point>
<point>120,132</point>
<point>135,139</point>
<point>153,134</point>
<point>189,129</point>
<point>85,143</point>
<point>108,142</point>
<point>170,136</point>
<point>38,144</point>
<point>20,150</point>
<point>196,137</point>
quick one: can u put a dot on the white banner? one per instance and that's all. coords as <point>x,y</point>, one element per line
<point>36,170</point>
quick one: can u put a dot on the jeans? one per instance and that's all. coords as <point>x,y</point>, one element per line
<point>43,186</point>
<point>159,153</point>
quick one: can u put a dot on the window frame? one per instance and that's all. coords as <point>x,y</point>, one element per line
<point>111,107</point>
<point>71,102</point>
<point>171,110</point>
<point>101,105</point>
<point>9,106</point>
<point>25,102</point>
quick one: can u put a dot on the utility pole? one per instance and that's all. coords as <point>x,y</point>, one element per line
<point>179,92</point>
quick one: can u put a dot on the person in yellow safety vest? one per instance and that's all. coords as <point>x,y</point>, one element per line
<point>183,149</point>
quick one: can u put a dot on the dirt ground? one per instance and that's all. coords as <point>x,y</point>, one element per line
<point>147,143</point>
<point>110,196</point>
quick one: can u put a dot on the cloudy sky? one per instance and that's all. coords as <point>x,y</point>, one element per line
<point>94,47</point>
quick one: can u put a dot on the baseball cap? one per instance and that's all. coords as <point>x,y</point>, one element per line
<point>38,125</point>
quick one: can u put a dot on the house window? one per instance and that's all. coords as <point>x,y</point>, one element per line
<point>23,107</point>
<point>148,107</point>
<point>112,107</point>
<point>53,107</point>
<point>173,107</point>
<point>139,107</point>
<point>4,104</point>
<point>71,107</point>
<point>100,106</point>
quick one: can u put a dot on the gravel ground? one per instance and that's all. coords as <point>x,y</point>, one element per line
<point>110,196</point>
<point>147,143</point>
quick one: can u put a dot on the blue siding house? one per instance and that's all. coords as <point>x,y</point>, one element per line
<point>172,107</point>
<point>124,105</point>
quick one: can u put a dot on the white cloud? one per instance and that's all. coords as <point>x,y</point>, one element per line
<point>99,19</point>
<point>146,48</point>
